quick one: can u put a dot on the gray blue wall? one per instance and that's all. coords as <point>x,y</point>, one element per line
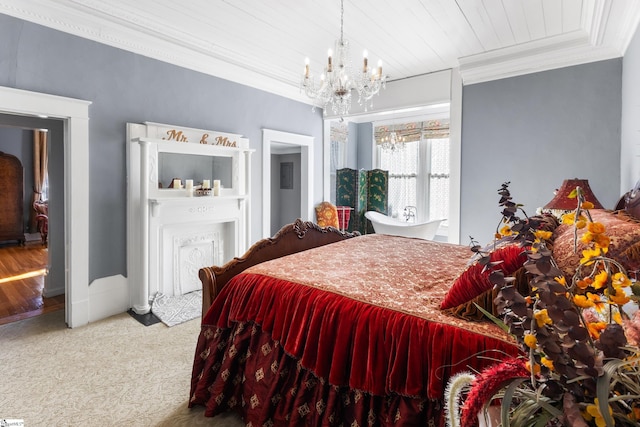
<point>630,147</point>
<point>125,87</point>
<point>537,130</point>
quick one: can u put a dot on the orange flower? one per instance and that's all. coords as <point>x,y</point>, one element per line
<point>595,228</point>
<point>595,328</point>
<point>584,283</point>
<point>594,411</point>
<point>582,301</point>
<point>587,205</point>
<point>536,367</point>
<point>581,223</point>
<point>602,241</point>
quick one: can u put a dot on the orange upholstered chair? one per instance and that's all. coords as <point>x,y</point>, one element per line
<point>327,215</point>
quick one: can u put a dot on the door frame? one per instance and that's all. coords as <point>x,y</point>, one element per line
<point>75,116</point>
<point>305,142</point>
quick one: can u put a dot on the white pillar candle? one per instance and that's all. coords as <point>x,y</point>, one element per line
<point>188,185</point>
<point>206,184</point>
<point>177,183</point>
<point>216,187</point>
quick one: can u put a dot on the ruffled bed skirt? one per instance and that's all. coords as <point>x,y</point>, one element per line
<point>243,369</point>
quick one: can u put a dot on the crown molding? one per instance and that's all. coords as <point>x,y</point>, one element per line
<point>128,32</point>
<point>541,55</point>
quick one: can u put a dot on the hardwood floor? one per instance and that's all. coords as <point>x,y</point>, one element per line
<point>22,271</point>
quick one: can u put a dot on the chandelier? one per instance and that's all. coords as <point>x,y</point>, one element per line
<point>338,80</point>
<point>392,142</point>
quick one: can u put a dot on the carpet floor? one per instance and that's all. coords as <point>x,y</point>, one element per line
<point>114,372</point>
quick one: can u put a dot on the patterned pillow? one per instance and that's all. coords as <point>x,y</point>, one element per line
<point>474,281</point>
<point>327,215</point>
<point>622,229</point>
<point>473,286</point>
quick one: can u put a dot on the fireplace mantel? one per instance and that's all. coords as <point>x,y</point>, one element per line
<point>172,231</point>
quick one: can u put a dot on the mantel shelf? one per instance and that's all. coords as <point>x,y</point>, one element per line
<point>185,200</point>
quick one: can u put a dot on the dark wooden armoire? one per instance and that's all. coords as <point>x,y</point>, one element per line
<point>11,198</point>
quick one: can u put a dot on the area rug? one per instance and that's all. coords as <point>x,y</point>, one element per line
<point>173,310</point>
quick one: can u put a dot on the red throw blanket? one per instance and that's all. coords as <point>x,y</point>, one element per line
<point>361,314</point>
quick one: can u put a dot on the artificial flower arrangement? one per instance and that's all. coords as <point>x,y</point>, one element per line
<point>581,340</point>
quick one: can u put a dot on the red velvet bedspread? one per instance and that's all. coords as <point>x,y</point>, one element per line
<point>348,332</point>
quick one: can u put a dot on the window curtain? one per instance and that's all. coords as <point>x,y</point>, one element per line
<point>40,162</point>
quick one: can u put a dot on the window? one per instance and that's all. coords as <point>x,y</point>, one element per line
<point>338,153</point>
<point>418,168</point>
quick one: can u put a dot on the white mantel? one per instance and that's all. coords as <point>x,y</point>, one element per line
<point>172,233</point>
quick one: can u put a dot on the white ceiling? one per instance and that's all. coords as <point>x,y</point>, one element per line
<point>264,43</point>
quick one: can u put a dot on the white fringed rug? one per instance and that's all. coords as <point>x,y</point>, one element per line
<point>173,310</point>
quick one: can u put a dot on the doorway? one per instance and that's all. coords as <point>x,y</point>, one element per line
<point>72,117</point>
<point>275,141</point>
<point>32,274</point>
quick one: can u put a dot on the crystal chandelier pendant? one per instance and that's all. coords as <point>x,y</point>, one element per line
<point>339,81</point>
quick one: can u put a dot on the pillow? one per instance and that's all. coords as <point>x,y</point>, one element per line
<point>622,229</point>
<point>473,286</point>
<point>327,215</point>
<point>474,281</point>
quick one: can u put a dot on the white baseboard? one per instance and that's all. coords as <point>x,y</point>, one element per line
<point>108,296</point>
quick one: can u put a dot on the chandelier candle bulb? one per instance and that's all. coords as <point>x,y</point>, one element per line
<point>306,68</point>
<point>364,69</point>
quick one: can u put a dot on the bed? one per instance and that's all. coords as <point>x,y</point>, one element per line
<point>320,327</point>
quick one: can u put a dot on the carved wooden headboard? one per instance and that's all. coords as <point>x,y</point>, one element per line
<point>292,238</point>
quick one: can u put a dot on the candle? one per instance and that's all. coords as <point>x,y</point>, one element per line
<point>379,69</point>
<point>329,66</point>
<point>306,67</point>
<point>177,183</point>
<point>206,184</point>
<point>188,185</point>
<point>216,187</point>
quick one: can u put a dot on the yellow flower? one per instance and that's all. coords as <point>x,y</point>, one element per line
<point>561,280</point>
<point>597,302</point>
<point>620,280</point>
<point>543,235</point>
<point>547,362</point>
<point>588,254</point>
<point>600,280</point>
<point>617,318</point>
<point>569,218</point>
<point>582,301</point>
<point>581,224</point>
<point>594,411</point>
<point>618,297</point>
<point>531,341</point>
<point>506,231</point>
<point>587,237</point>
<point>542,318</point>
<point>587,205</point>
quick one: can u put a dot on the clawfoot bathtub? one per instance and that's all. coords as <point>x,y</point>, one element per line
<point>383,224</point>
